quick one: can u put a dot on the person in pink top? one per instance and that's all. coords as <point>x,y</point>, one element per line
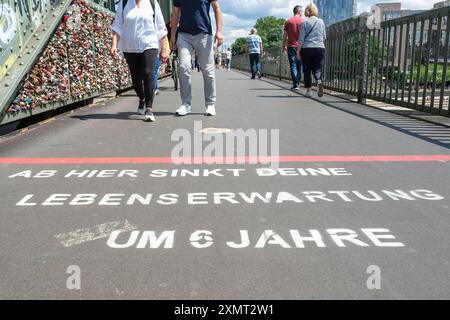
<point>290,44</point>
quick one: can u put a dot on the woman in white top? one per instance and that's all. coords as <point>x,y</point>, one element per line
<point>228,59</point>
<point>139,31</point>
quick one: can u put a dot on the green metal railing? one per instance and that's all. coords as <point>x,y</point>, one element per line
<point>108,4</point>
<point>19,20</point>
<point>274,63</point>
<point>64,60</point>
<point>406,62</point>
<point>69,64</point>
<point>402,62</point>
<point>23,37</point>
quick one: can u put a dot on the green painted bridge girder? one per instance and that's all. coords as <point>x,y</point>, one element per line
<point>26,29</point>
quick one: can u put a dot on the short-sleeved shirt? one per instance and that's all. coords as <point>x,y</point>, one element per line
<point>254,43</point>
<point>195,18</point>
<point>292,27</point>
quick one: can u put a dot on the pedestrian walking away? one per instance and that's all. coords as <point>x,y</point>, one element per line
<point>155,76</point>
<point>139,32</point>
<point>193,62</point>
<point>291,36</point>
<point>195,34</point>
<point>228,59</point>
<point>197,65</point>
<point>218,60</point>
<point>255,51</point>
<point>312,49</point>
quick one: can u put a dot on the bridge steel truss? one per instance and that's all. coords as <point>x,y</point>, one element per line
<point>27,30</point>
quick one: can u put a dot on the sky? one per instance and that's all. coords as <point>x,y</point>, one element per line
<point>239,16</point>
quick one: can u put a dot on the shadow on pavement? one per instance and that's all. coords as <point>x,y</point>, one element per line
<point>119,116</point>
<point>265,89</point>
<point>128,95</point>
<point>421,129</point>
<point>133,94</point>
<point>280,97</point>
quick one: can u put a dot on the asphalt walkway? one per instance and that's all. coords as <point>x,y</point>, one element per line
<point>361,195</point>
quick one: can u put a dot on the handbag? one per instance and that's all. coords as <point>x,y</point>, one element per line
<point>310,30</point>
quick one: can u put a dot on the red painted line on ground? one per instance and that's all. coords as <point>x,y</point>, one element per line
<point>230,160</point>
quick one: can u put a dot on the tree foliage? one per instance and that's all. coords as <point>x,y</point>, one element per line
<point>270,29</point>
<point>238,47</point>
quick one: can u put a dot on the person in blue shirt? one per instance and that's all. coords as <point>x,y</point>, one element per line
<point>155,76</point>
<point>312,49</point>
<point>191,18</point>
<point>255,50</point>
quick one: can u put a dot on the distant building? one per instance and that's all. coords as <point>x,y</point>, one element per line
<point>382,12</point>
<point>335,10</point>
<point>388,11</point>
<point>441,4</point>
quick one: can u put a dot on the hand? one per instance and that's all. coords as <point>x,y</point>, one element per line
<point>164,55</point>
<point>218,38</point>
<point>285,49</point>
<point>299,56</point>
<point>173,43</point>
<point>114,52</point>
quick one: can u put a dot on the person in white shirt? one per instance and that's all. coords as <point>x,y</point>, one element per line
<point>139,31</point>
<point>229,54</point>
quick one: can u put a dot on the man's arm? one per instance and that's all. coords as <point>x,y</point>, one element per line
<point>174,21</point>
<point>301,39</point>
<point>285,36</point>
<point>218,14</point>
<point>299,50</point>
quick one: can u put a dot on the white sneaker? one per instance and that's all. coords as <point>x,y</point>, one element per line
<point>309,93</point>
<point>149,117</point>
<point>184,110</point>
<point>211,110</point>
<point>156,92</point>
<point>320,89</point>
<point>141,108</point>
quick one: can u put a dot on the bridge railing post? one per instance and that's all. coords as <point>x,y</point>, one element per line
<point>363,57</point>
<point>281,63</point>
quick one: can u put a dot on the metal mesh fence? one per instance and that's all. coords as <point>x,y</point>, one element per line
<point>402,61</point>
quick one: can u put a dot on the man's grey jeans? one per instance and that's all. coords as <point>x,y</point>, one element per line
<point>202,44</point>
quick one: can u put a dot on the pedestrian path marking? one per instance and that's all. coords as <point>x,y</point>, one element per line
<point>229,160</point>
<point>100,231</point>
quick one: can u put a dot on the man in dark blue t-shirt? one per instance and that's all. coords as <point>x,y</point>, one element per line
<point>192,21</point>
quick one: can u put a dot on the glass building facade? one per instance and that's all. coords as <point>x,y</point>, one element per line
<point>332,11</point>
